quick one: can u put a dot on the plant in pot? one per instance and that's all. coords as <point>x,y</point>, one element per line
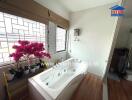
<point>37,66</point>
<point>26,70</point>
<point>32,68</point>
<point>11,74</point>
<point>40,53</point>
<point>26,50</point>
<point>19,72</point>
<point>42,64</point>
<point>18,55</point>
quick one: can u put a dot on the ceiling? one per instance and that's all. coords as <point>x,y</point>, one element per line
<point>78,5</point>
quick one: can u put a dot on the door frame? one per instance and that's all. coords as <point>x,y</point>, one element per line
<point>119,20</point>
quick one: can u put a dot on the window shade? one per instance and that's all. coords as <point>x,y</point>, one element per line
<point>60,21</point>
<point>25,8</point>
<point>32,10</point>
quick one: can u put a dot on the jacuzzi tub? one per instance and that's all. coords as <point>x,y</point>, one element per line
<point>59,82</point>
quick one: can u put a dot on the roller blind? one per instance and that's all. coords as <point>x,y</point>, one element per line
<point>60,21</point>
<point>32,10</point>
<point>25,8</point>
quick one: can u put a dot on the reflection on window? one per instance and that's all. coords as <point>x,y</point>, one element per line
<point>60,39</point>
<point>14,28</point>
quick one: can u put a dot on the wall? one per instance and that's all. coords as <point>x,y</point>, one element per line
<point>125,37</point>
<point>97,32</point>
<point>52,44</point>
<point>55,6</point>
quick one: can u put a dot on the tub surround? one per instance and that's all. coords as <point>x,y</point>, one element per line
<point>60,81</point>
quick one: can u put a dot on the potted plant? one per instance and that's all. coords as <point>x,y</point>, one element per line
<point>37,66</point>
<point>32,68</point>
<point>26,70</point>
<point>11,74</point>
<point>26,50</point>
<point>42,64</point>
<point>41,54</point>
<point>17,55</point>
<point>19,72</point>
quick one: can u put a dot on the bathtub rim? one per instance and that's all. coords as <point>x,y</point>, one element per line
<point>43,91</point>
<point>48,95</point>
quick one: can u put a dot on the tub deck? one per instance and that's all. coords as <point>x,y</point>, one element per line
<point>91,88</point>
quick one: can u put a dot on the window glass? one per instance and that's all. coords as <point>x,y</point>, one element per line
<point>14,28</point>
<point>60,39</point>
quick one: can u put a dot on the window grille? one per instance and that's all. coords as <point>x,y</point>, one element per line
<point>14,28</point>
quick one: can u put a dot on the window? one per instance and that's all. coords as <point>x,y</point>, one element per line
<point>14,28</point>
<point>60,39</point>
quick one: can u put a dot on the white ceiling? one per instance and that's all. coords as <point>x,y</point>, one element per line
<point>65,6</point>
<point>78,5</point>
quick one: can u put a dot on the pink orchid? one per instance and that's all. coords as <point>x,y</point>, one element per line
<point>26,48</point>
<point>24,42</point>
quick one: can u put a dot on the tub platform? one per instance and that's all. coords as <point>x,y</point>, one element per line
<point>58,82</point>
<point>90,88</point>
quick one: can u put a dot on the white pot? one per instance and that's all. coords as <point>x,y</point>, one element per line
<point>33,70</point>
<point>37,67</point>
<point>10,76</point>
<point>26,72</point>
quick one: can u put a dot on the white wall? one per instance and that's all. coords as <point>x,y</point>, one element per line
<point>55,6</point>
<point>97,31</point>
<point>52,44</point>
<point>125,37</point>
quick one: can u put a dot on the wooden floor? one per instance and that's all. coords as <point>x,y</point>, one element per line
<point>120,90</point>
<point>89,89</point>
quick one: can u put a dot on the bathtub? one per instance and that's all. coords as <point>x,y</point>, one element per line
<point>60,81</point>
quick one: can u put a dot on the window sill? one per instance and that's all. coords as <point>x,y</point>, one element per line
<point>6,64</point>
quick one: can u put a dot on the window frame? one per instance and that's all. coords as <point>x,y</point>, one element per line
<point>56,40</point>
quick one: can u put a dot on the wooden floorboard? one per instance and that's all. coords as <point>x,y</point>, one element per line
<point>89,89</point>
<point>119,90</point>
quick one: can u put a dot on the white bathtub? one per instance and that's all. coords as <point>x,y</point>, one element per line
<point>59,82</point>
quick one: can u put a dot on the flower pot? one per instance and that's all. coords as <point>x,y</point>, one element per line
<point>19,74</point>
<point>26,72</point>
<point>37,67</point>
<point>10,76</point>
<point>32,70</point>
